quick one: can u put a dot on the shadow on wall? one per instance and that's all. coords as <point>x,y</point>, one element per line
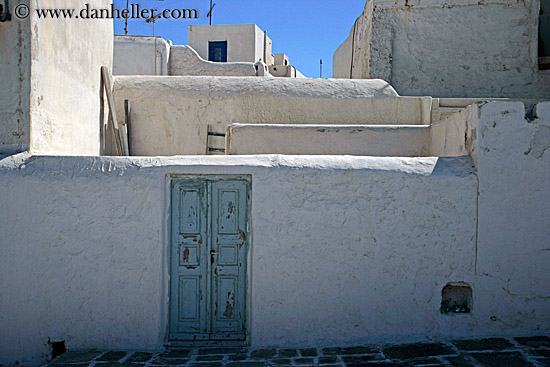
<point>544,35</point>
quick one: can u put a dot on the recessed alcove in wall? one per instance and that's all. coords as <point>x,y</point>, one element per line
<point>544,35</point>
<point>456,298</point>
<point>58,348</point>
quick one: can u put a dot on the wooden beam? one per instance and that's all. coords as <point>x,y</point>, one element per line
<point>106,75</point>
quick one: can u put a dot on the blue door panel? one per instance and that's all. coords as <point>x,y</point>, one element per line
<point>209,258</point>
<point>188,303</point>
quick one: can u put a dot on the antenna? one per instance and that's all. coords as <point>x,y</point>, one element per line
<point>209,15</point>
<point>126,18</point>
<point>153,19</point>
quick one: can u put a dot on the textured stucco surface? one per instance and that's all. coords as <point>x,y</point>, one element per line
<point>454,135</point>
<point>170,114</point>
<point>285,71</point>
<point>378,140</point>
<point>513,160</point>
<point>85,252</point>
<point>49,101</point>
<point>352,59</point>
<point>138,55</point>
<point>341,60</point>
<point>186,61</point>
<point>245,42</point>
<point>15,65</point>
<point>367,241</point>
<point>67,55</point>
<point>464,49</point>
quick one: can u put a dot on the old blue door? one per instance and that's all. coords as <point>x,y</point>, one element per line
<point>208,267</point>
<point>217,51</point>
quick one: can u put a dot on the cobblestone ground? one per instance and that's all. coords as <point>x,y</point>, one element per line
<point>492,352</point>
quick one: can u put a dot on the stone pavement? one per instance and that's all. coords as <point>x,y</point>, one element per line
<point>491,352</point>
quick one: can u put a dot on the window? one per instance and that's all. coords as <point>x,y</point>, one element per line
<point>217,51</point>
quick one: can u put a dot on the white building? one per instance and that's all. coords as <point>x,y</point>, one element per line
<point>475,49</point>
<point>231,43</point>
<point>218,50</point>
<point>355,215</point>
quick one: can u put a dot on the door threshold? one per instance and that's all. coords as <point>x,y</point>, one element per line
<point>206,344</point>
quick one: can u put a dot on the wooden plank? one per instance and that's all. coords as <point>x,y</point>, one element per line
<point>128,113</point>
<point>207,150</point>
<point>230,243</point>
<point>209,141</point>
<point>106,76</point>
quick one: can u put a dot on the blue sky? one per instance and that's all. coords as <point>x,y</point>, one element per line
<point>305,30</point>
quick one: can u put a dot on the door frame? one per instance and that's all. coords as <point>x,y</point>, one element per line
<point>167,239</point>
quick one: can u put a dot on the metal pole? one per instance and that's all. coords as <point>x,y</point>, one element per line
<point>321,69</point>
<point>126,18</point>
<point>211,12</point>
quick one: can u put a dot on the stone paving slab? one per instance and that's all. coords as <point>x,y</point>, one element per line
<point>535,341</point>
<point>488,352</point>
<point>483,344</point>
<point>417,350</point>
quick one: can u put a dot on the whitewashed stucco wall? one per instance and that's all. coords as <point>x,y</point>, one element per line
<point>359,140</point>
<point>512,154</point>
<point>467,49</point>
<point>15,61</point>
<point>352,59</point>
<point>184,61</point>
<point>67,55</point>
<point>170,114</point>
<point>245,42</point>
<point>367,241</point>
<point>139,55</point>
<point>50,73</point>
<point>341,60</point>
<point>473,50</point>
<point>85,253</point>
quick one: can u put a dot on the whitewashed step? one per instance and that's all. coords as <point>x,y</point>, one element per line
<point>362,140</point>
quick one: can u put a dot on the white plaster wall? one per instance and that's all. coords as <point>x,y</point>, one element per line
<point>341,60</point>
<point>453,136</point>
<point>281,59</point>
<point>88,269</point>
<point>377,140</point>
<point>513,160</point>
<point>138,55</point>
<point>372,267</point>
<point>299,74</point>
<point>352,59</point>
<point>15,66</point>
<point>170,114</point>
<point>67,55</point>
<point>184,61</point>
<point>263,44</point>
<point>469,49</point>
<point>285,71</point>
<point>242,42</point>
<point>367,241</point>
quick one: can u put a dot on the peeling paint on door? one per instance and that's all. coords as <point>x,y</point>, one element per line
<point>208,284</point>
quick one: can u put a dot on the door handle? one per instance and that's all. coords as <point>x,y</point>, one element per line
<point>212,254</point>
